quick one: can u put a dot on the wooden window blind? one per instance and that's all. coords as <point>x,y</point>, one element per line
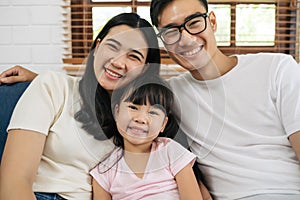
<point>78,26</point>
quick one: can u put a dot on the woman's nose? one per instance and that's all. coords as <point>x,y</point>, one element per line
<point>119,62</point>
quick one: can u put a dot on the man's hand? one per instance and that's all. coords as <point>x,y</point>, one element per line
<point>16,74</point>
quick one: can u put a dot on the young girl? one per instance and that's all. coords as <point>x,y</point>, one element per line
<point>143,165</point>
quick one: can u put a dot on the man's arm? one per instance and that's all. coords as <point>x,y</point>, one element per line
<point>16,74</point>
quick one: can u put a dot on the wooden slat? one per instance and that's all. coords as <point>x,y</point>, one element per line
<point>73,60</point>
<point>286,36</point>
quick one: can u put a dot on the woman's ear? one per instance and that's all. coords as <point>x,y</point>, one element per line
<point>97,45</point>
<point>164,124</point>
<point>98,41</point>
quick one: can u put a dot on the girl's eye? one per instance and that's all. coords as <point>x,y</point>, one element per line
<point>153,112</point>
<point>132,107</point>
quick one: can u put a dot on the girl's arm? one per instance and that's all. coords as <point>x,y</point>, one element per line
<point>204,191</point>
<point>99,193</point>
<point>16,74</point>
<point>20,161</point>
<point>187,184</point>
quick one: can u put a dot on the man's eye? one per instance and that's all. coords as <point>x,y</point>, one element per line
<point>170,32</point>
<point>195,23</point>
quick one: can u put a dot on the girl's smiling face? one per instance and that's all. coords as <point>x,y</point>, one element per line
<point>139,125</point>
<point>123,50</point>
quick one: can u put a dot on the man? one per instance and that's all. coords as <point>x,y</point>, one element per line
<point>241,113</point>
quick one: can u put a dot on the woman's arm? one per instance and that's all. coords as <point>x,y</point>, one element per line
<point>20,161</point>
<point>99,193</point>
<point>16,74</point>
<point>295,142</point>
<point>187,184</point>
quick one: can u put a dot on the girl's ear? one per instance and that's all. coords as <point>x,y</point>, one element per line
<point>116,112</point>
<point>97,45</point>
<point>164,124</point>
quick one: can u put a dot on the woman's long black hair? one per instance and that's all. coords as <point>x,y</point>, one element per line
<point>95,113</point>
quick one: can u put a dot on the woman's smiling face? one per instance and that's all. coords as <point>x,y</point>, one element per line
<point>123,50</point>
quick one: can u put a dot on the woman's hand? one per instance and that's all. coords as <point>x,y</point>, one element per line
<point>16,74</point>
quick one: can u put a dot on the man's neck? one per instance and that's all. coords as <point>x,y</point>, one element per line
<point>217,67</point>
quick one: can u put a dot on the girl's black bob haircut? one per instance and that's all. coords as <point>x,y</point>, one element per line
<point>147,88</point>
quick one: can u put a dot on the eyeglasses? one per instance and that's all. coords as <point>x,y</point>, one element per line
<point>195,24</point>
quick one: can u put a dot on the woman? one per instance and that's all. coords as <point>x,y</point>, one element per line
<point>54,137</point>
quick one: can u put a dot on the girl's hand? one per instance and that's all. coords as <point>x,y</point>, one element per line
<point>16,74</point>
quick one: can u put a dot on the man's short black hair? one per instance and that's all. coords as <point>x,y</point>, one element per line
<point>157,6</point>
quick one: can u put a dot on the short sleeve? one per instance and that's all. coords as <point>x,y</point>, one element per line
<point>40,104</point>
<point>179,157</point>
<point>101,178</point>
<point>287,83</point>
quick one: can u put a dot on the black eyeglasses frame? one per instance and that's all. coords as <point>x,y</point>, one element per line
<point>179,27</point>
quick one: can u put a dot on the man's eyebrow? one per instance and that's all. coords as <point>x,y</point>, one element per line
<point>185,19</point>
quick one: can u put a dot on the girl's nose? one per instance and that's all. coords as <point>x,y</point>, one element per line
<point>141,117</point>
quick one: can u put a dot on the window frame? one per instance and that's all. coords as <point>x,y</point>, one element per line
<point>286,38</point>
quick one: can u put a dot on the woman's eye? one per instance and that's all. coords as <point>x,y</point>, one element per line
<point>135,57</point>
<point>112,46</point>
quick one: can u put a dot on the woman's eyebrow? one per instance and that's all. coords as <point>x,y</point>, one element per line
<point>118,43</point>
<point>115,41</point>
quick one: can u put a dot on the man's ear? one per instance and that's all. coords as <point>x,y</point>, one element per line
<point>212,21</point>
<point>164,124</point>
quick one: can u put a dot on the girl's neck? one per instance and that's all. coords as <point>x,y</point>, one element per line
<point>137,148</point>
<point>137,162</point>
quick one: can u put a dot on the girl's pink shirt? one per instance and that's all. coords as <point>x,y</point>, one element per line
<point>166,159</point>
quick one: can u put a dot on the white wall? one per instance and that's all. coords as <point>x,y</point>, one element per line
<point>31,34</point>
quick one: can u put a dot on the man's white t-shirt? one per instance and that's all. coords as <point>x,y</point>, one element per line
<point>238,125</point>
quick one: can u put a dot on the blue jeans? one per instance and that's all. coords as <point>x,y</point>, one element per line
<point>47,196</point>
